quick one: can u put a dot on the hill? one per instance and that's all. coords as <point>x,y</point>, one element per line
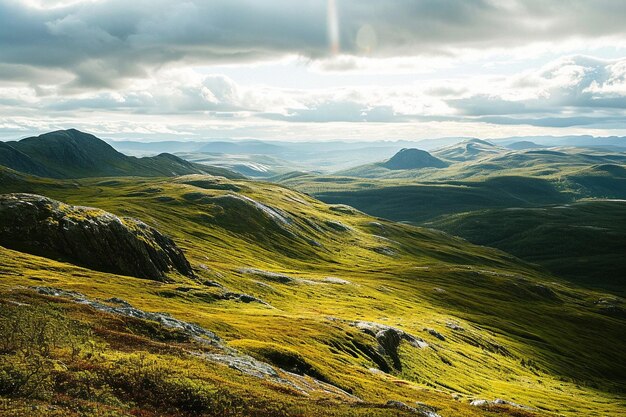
<point>468,150</point>
<point>583,241</point>
<point>74,154</point>
<point>413,159</point>
<point>506,178</point>
<point>424,201</point>
<point>296,307</point>
<point>12,158</point>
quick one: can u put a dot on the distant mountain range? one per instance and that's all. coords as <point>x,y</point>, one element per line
<point>477,175</point>
<point>267,158</point>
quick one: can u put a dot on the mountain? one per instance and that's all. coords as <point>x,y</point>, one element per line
<point>294,308</point>
<point>524,144</point>
<point>585,141</point>
<point>74,154</point>
<point>413,159</point>
<point>468,150</point>
<point>11,157</point>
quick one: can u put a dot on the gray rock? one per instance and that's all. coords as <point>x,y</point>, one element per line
<point>223,354</point>
<point>267,275</point>
<point>420,409</point>
<point>500,401</point>
<point>389,339</point>
<point>209,283</point>
<point>335,280</point>
<point>426,410</point>
<point>497,401</point>
<point>123,308</point>
<point>387,251</point>
<point>342,208</point>
<point>435,333</point>
<point>454,326</point>
<point>87,236</point>
<point>337,226</point>
<point>244,298</point>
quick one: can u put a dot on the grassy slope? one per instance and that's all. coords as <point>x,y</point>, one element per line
<point>583,241</point>
<point>408,201</point>
<point>433,279</point>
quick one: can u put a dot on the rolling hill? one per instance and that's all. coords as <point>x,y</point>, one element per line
<point>468,150</point>
<point>296,307</point>
<point>424,201</point>
<point>499,179</point>
<point>583,241</point>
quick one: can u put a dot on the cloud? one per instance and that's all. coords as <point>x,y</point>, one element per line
<point>103,44</point>
<point>338,111</point>
<point>571,91</point>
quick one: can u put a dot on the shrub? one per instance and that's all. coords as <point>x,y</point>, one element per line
<point>152,382</point>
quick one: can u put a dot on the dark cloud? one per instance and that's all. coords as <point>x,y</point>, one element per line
<point>102,43</point>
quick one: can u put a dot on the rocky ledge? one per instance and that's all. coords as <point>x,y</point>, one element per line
<point>88,237</point>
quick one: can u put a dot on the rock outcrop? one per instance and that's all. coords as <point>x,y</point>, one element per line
<point>88,237</point>
<point>219,353</point>
<point>497,401</point>
<point>420,409</point>
<point>389,339</point>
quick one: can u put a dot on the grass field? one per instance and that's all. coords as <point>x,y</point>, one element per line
<point>509,329</point>
<point>583,241</point>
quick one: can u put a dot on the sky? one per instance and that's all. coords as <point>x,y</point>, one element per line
<point>313,69</point>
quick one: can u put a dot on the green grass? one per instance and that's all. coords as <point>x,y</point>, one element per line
<point>412,278</point>
<point>584,241</point>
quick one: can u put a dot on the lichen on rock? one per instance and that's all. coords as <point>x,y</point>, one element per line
<point>89,237</point>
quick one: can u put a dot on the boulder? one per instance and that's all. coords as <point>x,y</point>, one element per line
<point>88,237</point>
<point>420,409</point>
<point>435,333</point>
<point>389,339</point>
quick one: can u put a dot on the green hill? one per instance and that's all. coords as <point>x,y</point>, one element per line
<point>74,154</point>
<point>413,159</point>
<point>294,308</point>
<point>423,201</point>
<point>403,162</point>
<point>11,157</point>
<point>584,241</point>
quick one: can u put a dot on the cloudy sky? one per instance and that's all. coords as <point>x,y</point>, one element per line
<point>313,69</point>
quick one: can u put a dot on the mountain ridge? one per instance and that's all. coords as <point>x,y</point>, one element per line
<point>75,154</point>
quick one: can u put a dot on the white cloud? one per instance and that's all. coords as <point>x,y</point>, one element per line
<point>571,91</point>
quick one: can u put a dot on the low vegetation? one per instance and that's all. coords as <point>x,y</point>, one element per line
<point>500,328</point>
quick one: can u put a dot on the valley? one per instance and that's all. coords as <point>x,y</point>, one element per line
<point>287,305</point>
